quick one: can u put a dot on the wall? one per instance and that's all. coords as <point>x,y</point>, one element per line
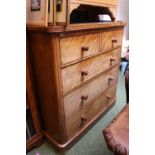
<point>123,15</point>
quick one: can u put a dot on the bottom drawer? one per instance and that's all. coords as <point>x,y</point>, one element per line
<point>80,119</point>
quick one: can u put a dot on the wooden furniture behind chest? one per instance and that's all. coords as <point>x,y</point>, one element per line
<point>34,136</point>
<point>76,71</point>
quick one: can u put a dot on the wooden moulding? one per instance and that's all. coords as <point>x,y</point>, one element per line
<point>35,141</point>
<point>77,136</point>
<point>76,27</point>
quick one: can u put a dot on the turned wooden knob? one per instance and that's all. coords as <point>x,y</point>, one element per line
<point>84,73</point>
<point>84,97</point>
<point>108,98</point>
<point>110,78</point>
<point>114,40</point>
<point>83,119</point>
<point>84,48</point>
<point>112,59</point>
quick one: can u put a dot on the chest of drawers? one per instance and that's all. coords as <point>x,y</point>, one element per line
<point>76,73</point>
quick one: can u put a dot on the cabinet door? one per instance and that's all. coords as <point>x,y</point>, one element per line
<point>37,13</point>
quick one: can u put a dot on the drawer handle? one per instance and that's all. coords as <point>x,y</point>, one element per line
<point>84,48</point>
<point>112,59</point>
<point>110,78</point>
<point>108,98</point>
<point>84,97</point>
<point>83,119</point>
<point>114,40</point>
<point>83,73</point>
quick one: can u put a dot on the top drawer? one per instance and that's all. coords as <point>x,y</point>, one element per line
<point>77,47</point>
<point>111,39</point>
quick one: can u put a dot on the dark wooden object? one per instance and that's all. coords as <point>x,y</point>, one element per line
<point>127,85</point>
<point>37,137</point>
<point>116,134</point>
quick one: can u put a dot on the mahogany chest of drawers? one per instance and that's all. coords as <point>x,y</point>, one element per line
<point>76,73</point>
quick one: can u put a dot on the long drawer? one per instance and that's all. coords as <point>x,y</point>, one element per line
<point>79,119</point>
<point>76,74</point>
<point>82,96</point>
<point>78,47</point>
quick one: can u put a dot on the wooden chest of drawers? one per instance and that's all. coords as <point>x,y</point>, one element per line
<point>76,76</point>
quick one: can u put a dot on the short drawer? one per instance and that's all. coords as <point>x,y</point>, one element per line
<point>76,74</point>
<point>78,47</point>
<point>79,119</point>
<point>79,98</point>
<point>111,39</point>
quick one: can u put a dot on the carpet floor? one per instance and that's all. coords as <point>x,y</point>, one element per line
<point>92,143</point>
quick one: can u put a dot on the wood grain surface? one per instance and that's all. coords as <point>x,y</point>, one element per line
<point>80,118</point>
<point>73,101</point>
<point>72,76</point>
<point>72,48</point>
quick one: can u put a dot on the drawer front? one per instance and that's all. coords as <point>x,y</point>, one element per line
<point>99,104</point>
<point>78,47</point>
<point>79,119</point>
<point>78,73</point>
<point>111,39</point>
<point>79,98</point>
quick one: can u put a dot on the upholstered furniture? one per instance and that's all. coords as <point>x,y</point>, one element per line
<point>116,134</point>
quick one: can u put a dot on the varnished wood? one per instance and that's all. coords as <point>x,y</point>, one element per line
<point>89,80</point>
<point>35,141</point>
<point>81,114</point>
<point>72,74</point>
<point>77,27</point>
<point>111,39</point>
<point>82,131</point>
<point>52,16</point>
<point>96,72</point>
<point>86,45</point>
<point>77,44</point>
<point>46,84</point>
<point>92,89</point>
<point>31,103</point>
<point>97,2</point>
<point>87,57</point>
